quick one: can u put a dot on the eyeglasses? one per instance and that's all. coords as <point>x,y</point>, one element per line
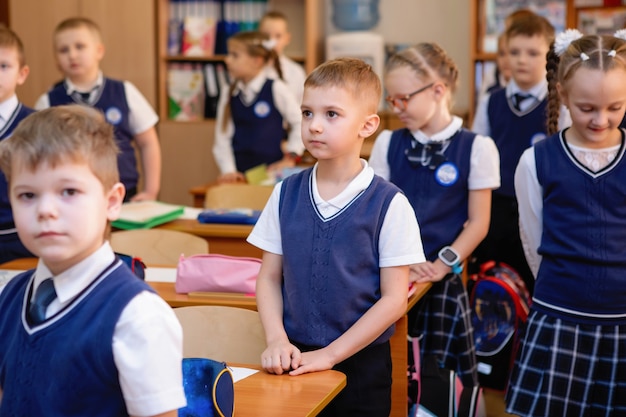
<point>401,102</point>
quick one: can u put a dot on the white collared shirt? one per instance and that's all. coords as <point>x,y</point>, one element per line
<point>484,158</point>
<point>399,221</point>
<point>147,340</point>
<point>286,105</point>
<point>142,116</point>
<point>7,108</point>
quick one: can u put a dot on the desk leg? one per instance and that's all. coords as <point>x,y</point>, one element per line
<point>399,358</point>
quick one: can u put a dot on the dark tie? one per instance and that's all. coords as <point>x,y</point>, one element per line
<point>43,297</point>
<point>518,98</point>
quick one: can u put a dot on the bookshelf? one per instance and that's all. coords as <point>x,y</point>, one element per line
<point>483,43</point>
<point>187,146</point>
<point>306,47</point>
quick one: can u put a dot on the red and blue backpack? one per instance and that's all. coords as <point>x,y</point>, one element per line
<point>499,303</point>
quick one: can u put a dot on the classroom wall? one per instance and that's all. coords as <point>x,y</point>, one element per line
<point>445,22</point>
<point>128,29</point>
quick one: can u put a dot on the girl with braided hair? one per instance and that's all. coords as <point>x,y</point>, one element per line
<point>572,205</point>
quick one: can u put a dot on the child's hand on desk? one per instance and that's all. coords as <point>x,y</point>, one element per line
<point>428,271</point>
<point>280,357</point>
<point>231,177</point>
<point>313,361</point>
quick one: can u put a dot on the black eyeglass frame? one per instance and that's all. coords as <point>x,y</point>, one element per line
<point>405,100</point>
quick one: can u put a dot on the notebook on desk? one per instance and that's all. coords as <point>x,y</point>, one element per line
<point>229,216</point>
<point>146,214</point>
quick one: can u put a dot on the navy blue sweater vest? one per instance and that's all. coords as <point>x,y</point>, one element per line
<point>258,130</point>
<point>583,267</point>
<point>513,134</point>
<point>6,215</point>
<point>440,200</point>
<point>331,273</point>
<point>112,102</point>
<point>65,367</point>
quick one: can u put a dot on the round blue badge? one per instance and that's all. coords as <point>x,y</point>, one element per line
<point>447,174</point>
<point>262,109</point>
<point>113,115</point>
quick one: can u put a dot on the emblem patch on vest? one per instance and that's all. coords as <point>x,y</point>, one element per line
<point>447,174</point>
<point>262,109</point>
<point>113,115</point>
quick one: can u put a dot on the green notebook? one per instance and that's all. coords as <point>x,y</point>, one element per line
<point>146,214</point>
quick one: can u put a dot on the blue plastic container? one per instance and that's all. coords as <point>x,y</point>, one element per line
<point>355,14</point>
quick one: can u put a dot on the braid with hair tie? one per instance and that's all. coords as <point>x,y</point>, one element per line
<point>554,102</point>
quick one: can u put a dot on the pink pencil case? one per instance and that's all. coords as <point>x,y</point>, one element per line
<point>217,273</point>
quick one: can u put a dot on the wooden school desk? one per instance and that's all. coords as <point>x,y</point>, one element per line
<point>398,342</point>
<point>266,395</point>
<point>227,239</point>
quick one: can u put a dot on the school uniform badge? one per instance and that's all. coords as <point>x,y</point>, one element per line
<point>113,115</point>
<point>262,109</point>
<point>447,174</point>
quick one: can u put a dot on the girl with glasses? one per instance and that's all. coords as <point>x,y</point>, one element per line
<point>447,173</point>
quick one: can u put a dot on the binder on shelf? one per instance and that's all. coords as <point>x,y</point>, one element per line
<point>198,36</point>
<point>212,91</point>
<point>185,91</point>
<point>146,214</point>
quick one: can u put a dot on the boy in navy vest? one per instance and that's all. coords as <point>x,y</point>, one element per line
<point>14,73</point>
<point>515,118</point>
<point>337,242</point>
<point>78,50</point>
<point>81,335</point>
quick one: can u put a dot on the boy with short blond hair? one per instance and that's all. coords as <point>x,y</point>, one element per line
<point>276,26</point>
<point>515,117</point>
<point>81,335</point>
<point>12,111</point>
<point>78,50</point>
<point>335,275</point>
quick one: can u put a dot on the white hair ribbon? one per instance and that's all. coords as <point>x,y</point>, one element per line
<point>564,39</point>
<point>621,34</point>
<point>612,53</point>
<point>269,44</point>
<point>584,56</point>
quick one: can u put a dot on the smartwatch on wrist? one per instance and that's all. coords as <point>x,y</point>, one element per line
<point>450,257</point>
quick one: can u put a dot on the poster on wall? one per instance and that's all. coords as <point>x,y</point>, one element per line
<point>601,21</point>
<point>496,12</point>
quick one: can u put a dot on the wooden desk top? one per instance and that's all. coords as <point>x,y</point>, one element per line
<point>264,394</point>
<point>209,230</point>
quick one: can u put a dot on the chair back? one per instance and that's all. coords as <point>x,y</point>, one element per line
<point>231,196</point>
<point>158,246</point>
<point>229,334</point>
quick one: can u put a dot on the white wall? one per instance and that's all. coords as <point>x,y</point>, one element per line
<point>445,22</point>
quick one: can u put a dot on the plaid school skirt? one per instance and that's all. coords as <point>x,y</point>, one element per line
<point>568,369</point>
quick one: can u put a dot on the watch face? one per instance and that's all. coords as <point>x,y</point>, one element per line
<point>448,256</point>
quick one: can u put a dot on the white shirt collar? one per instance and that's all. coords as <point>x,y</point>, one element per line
<point>72,281</point>
<point>7,108</point>
<point>358,184</point>
<point>539,91</point>
<point>252,88</point>
<point>455,124</point>
<point>71,87</point>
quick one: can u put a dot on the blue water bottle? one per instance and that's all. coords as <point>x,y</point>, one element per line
<point>355,14</point>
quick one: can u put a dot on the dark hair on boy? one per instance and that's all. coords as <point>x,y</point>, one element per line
<point>351,74</point>
<point>599,52</point>
<point>531,25</point>
<point>9,39</point>
<point>79,22</point>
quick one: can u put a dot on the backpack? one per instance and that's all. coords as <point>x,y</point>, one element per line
<point>499,303</point>
<point>435,391</point>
